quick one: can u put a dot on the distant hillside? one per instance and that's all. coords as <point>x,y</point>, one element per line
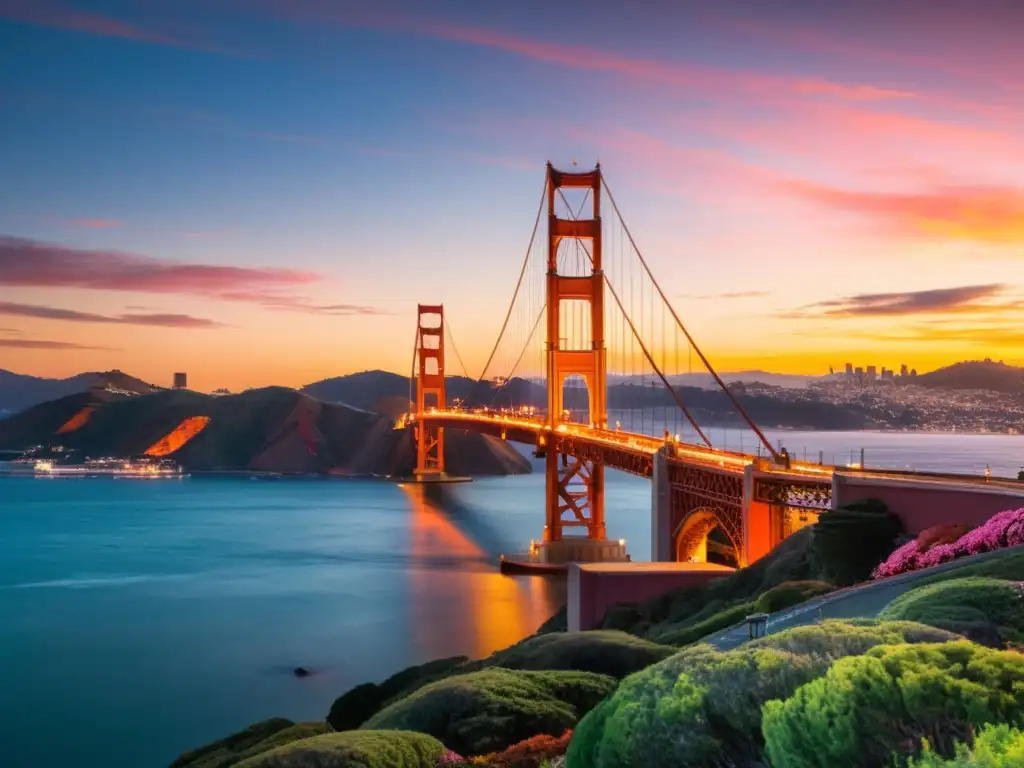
<point>705,380</point>
<point>373,390</point>
<point>273,429</point>
<point>18,391</point>
<point>981,374</point>
<point>366,390</point>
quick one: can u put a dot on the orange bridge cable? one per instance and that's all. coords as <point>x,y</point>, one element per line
<point>412,371</point>
<point>526,346</point>
<point>650,359</point>
<point>693,344</point>
<point>519,282</point>
<point>451,338</point>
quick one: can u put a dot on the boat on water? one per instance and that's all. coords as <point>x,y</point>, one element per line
<point>117,468</point>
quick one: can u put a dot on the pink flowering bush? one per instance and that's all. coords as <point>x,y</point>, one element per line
<point>1004,529</point>
<point>451,758</point>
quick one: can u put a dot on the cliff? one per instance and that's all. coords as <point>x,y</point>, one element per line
<point>274,429</point>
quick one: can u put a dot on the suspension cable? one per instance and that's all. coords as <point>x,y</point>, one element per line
<point>693,344</point>
<point>526,346</point>
<point>650,359</point>
<point>451,338</point>
<point>412,369</point>
<point>519,282</point>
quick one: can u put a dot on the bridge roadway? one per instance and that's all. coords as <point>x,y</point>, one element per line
<point>634,453</point>
<point>627,451</point>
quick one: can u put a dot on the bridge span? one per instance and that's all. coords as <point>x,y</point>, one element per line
<point>578,320</point>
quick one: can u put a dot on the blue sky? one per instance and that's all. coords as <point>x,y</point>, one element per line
<point>396,156</point>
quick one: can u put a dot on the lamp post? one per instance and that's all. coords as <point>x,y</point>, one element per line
<point>757,625</point>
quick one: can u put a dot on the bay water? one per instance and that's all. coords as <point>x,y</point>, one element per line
<point>140,618</point>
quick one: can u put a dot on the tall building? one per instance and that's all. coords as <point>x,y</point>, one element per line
<point>872,373</point>
<point>903,371</point>
<point>849,370</point>
<point>181,381</point>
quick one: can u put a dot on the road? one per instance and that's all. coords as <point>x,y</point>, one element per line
<point>864,600</point>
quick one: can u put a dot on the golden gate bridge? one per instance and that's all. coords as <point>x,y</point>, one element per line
<point>589,334</point>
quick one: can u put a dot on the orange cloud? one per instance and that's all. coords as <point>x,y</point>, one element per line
<point>980,213</point>
<point>44,344</point>
<point>989,337</point>
<point>165,320</point>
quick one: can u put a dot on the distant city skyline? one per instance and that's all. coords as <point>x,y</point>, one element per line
<point>260,193</point>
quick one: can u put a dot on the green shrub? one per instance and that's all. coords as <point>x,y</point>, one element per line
<point>1006,564</point>
<point>492,709</point>
<point>226,752</point>
<point>985,610</point>
<point>703,707</point>
<point>353,708</point>
<point>354,749</point>
<point>606,652</point>
<point>866,709</point>
<point>995,746</point>
<point>691,633</point>
<point>848,542</point>
<point>836,639</point>
<point>791,593</point>
<point>287,736</point>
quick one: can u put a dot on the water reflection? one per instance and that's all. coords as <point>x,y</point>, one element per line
<point>459,595</point>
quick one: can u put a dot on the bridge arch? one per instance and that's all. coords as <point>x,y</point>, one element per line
<point>692,535</point>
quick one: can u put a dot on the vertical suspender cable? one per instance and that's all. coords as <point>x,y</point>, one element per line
<point>707,363</point>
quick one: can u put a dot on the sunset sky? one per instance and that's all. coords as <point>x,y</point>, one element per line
<point>260,191</point>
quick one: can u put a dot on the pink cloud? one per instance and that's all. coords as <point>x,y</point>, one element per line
<point>581,57</point>
<point>798,124</point>
<point>96,223</point>
<point>29,263</point>
<point>55,15</point>
<point>970,213</point>
<point>818,41</point>
<point>664,167</point>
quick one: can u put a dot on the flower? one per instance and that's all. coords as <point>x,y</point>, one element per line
<point>1003,529</point>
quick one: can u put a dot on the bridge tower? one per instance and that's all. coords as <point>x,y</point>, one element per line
<point>429,389</point>
<point>574,496</point>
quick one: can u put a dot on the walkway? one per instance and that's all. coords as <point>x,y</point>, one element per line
<point>864,600</point>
